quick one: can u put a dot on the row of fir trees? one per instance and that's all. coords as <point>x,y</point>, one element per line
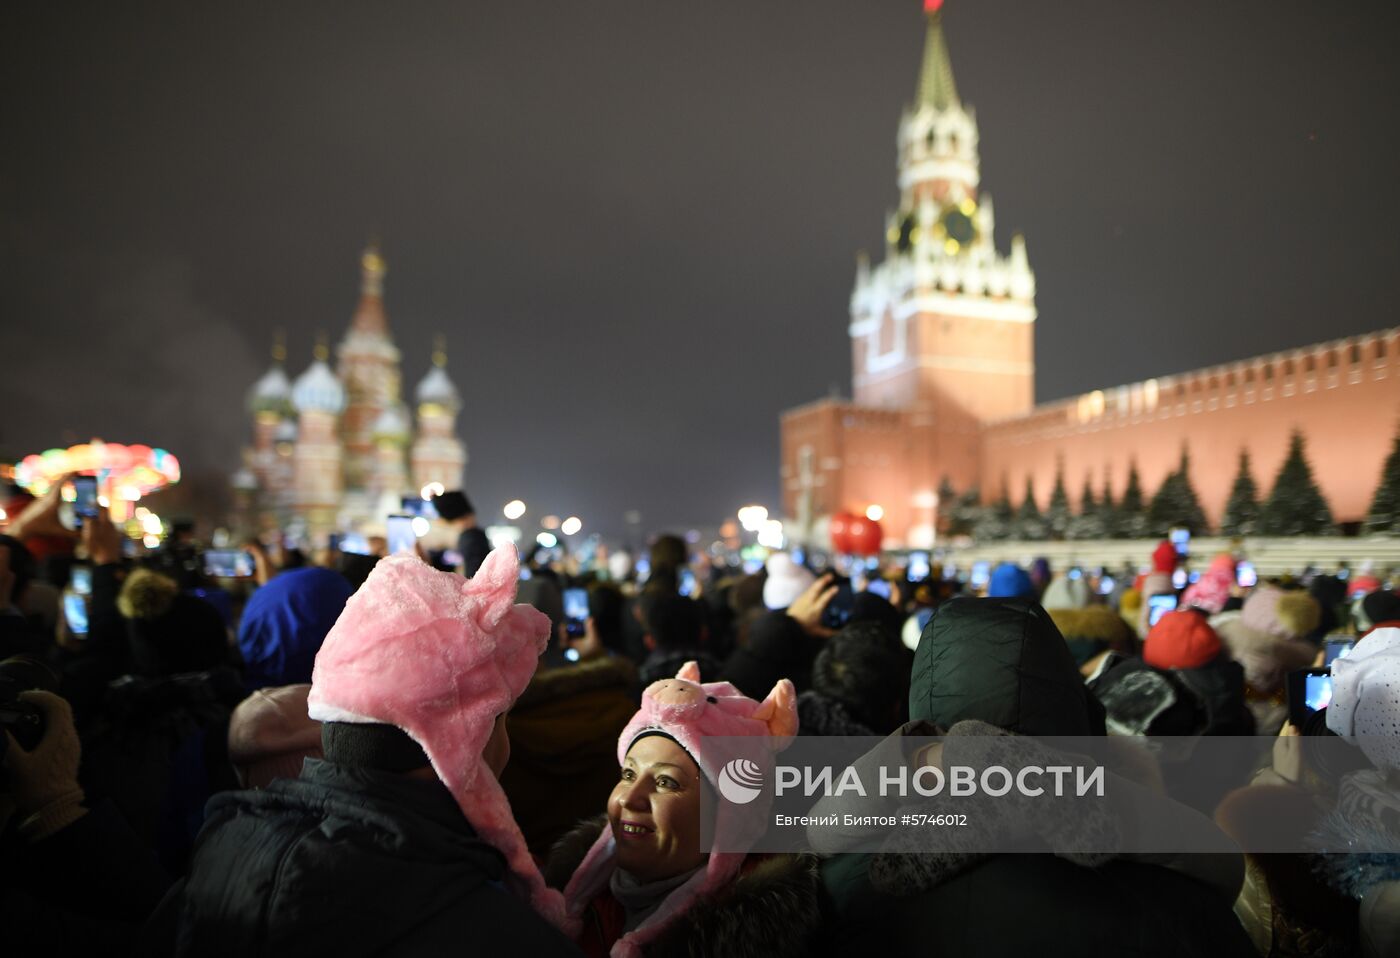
<point>1294,506</point>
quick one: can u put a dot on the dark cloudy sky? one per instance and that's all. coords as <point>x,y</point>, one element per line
<point>636,221</point>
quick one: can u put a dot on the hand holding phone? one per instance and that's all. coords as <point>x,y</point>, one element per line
<point>838,611</point>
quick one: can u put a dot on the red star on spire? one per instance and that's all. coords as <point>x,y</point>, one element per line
<point>932,6</point>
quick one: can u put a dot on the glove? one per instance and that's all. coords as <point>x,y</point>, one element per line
<point>44,783</point>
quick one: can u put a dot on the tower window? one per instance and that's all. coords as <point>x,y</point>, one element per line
<point>1355,353</point>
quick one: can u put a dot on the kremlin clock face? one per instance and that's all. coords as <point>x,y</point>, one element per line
<point>957,227</point>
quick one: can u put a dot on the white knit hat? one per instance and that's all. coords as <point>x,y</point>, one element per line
<point>786,581</point>
<point>1365,706</point>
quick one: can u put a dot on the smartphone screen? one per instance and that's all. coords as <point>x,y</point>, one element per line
<point>80,579</point>
<point>229,563</point>
<point>1246,576</point>
<point>1107,584</point>
<point>418,506</point>
<point>879,587</point>
<point>1337,649</point>
<point>1179,579</point>
<point>1318,692</point>
<point>85,501</point>
<point>1159,605</point>
<point>75,613</point>
<point>1181,539</point>
<point>575,610</point>
<point>918,566</point>
<point>981,575</point>
<point>398,531</point>
<point>687,583</point>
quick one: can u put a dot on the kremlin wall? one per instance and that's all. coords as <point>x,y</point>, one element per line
<point>943,368</point>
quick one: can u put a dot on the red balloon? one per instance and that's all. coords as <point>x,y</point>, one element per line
<point>840,529</point>
<point>865,536</point>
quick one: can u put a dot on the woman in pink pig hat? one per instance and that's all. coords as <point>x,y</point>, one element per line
<point>642,881</point>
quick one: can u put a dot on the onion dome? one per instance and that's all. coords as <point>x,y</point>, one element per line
<point>392,426</point>
<point>318,389</point>
<point>436,389</point>
<point>272,393</point>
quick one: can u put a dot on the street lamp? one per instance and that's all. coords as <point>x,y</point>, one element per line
<point>752,518</point>
<point>514,509</point>
<point>571,525</point>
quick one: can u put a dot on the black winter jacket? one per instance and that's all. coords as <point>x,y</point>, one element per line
<point>346,861</point>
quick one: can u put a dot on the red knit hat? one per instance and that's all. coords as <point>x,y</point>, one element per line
<point>1180,640</point>
<point>1164,557</point>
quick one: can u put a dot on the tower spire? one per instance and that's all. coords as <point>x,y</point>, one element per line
<point>372,271</point>
<point>440,351</point>
<point>936,86</point>
<point>369,314</point>
<point>279,346</point>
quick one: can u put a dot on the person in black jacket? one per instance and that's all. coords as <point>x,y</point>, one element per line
<point>401,841</point>
<point>985,668</point>
<point>366,853</point>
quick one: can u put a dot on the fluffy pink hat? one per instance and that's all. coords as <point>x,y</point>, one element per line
<point>694,714</point>
<point>1212,590</point>
<point>439,657</point>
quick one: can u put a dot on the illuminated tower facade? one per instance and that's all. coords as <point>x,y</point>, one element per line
<point>945,323</point>
<point>369,368</point>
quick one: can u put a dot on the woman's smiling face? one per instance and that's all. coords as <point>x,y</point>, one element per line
<point>654,811</point>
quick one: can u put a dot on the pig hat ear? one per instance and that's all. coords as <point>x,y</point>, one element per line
<point>779,711</point>
<point>494,586</point>
<point>690,672</point>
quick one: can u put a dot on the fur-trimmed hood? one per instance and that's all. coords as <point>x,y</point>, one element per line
<point>774,907</point>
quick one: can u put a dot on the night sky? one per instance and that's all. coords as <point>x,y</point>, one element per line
<point>636,222</point>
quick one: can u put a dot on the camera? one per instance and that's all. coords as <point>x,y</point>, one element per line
<point>21,673</point>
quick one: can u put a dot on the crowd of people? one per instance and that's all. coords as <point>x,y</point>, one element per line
<point>426,754</point>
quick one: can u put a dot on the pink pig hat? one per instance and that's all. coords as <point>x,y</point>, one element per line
<point>439,657</point>
<point>694,714</point>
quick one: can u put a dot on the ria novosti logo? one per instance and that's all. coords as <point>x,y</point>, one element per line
<point>740,781</point>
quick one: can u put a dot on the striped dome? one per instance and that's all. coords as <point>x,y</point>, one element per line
<point>271,393</point>
<point>318,390</point>
<point>437,389</point>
